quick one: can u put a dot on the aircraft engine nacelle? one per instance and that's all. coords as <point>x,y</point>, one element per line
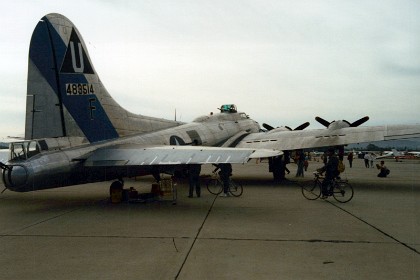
<point>341,123</point>
<point>338,124</point>
<point>278,129</point>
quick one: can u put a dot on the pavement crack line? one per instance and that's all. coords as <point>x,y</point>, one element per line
<point>93,236</point>
<point>186,237</point>
<point>196,237</point>
<point>13,233</point>
<point>337,241</point>
<point>376,228</point>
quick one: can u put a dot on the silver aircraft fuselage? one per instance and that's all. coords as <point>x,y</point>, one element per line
<point>59,167</point>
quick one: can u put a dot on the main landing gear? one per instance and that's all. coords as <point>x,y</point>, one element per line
<point>116,191</point>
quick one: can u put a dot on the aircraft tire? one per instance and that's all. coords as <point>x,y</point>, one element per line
<point>311,190</point>
<point>343,192</point>
<point>214,186</point>
<point>116,192</point>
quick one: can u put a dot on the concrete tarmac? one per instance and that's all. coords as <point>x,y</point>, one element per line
<point>270,232</point>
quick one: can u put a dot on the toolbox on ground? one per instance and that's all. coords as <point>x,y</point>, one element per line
<point>167,190</point>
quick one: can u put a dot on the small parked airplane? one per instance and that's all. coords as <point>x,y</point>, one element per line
<point>397,155</point>
<point>76,133</point>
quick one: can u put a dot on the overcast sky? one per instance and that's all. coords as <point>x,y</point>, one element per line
<point>282,62</point>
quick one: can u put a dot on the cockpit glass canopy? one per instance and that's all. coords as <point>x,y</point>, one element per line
<point>228,108</point>
<point>23,150</point>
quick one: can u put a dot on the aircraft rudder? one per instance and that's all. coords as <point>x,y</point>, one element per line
<point>64,84</point>
<point>65,96</point>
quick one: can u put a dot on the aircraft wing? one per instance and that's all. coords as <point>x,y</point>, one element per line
<point>132,155</point>
<point>303,139</point>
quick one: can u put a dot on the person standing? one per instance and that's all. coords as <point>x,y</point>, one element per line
<point>366,157</point>
<point>286,161</point>
<point>306,162</point>
<point>277,166</point>
<point>300,161</point>
<point>350,159</point>
<point>372,157</point>
<point>194,179</point>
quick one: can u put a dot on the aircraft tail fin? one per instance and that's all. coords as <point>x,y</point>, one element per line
<point>65,97</point>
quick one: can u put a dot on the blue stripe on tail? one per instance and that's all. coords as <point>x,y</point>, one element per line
<point>64,68</point>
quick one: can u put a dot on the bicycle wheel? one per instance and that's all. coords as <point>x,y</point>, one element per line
<point>235,188</point>
<point>311,190</point>
<point>214,186</point>
<point>343,192</point>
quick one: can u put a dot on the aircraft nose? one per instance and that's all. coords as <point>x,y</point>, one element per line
<point>15,176</point>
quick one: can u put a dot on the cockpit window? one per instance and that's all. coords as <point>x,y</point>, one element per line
<point>32,149</point>
<point>228,108</point>
<point>23,150</point>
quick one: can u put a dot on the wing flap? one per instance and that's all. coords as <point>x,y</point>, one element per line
<point>172,155</point>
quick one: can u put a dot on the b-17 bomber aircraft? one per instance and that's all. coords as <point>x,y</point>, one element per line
<point>76,133</point>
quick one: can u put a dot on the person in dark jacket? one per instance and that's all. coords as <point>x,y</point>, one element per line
<point>350,159</point>
<point>224,173</point>
<point>383,170</point>
<point>331,171</point>
<point>194,179</point>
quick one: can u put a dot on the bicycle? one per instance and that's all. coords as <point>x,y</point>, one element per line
<point>341,190</point>
<point>215,186</point>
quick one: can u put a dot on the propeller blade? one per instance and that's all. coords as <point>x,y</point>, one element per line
<point>267,126</point>
<point>322,121</point>
<point>359,121</point>
<point>302,126</point>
